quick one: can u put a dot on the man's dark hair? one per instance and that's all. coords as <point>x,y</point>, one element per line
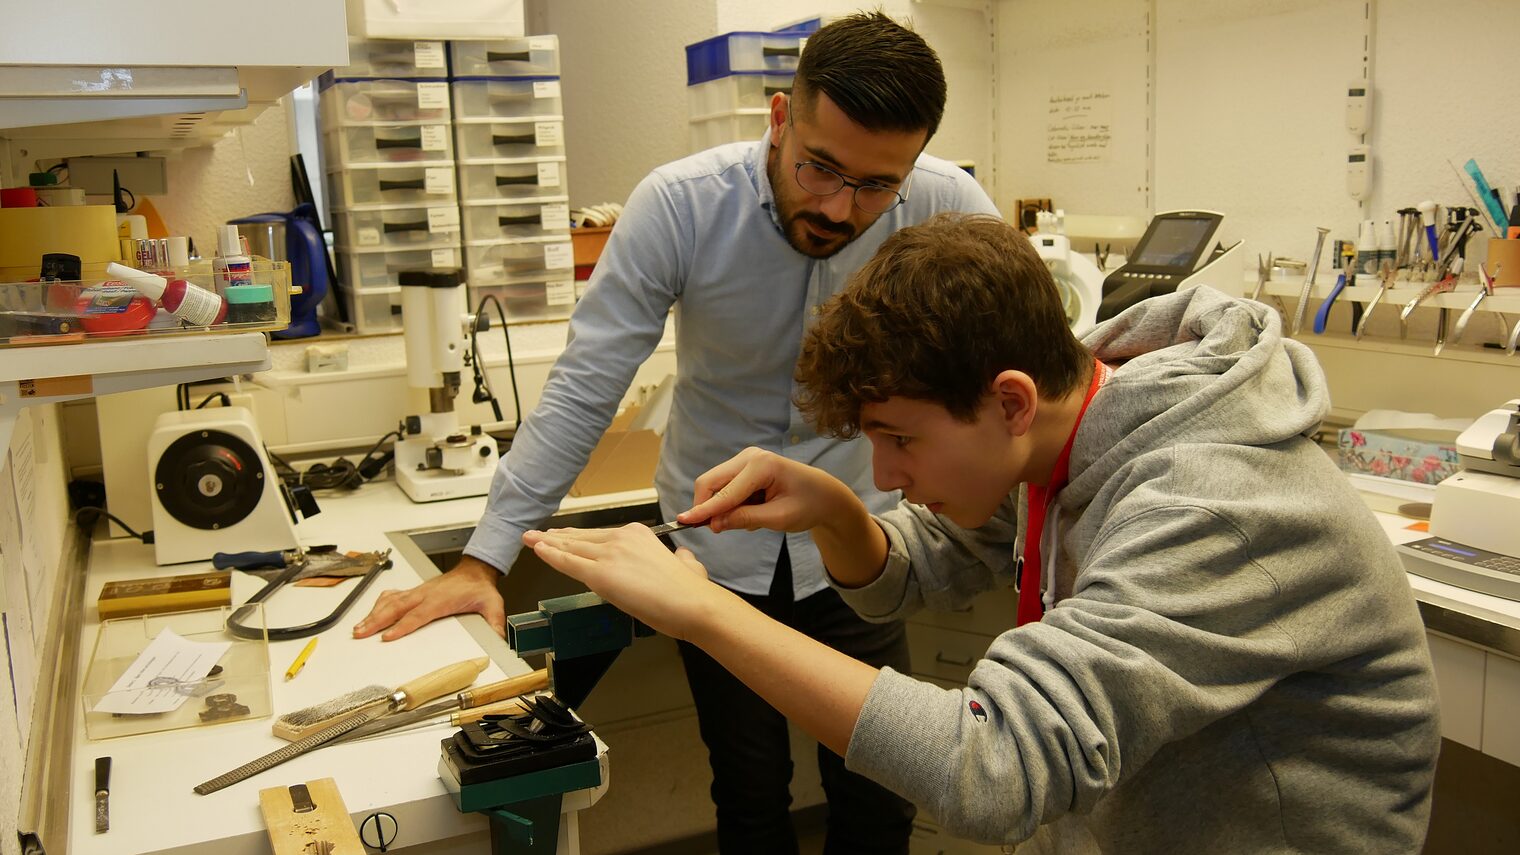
<point>935,315</point>
<point>880,73</point>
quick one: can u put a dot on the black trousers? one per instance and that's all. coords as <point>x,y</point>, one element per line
<point>750,753</point>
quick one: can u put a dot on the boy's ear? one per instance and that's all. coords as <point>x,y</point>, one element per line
<point>1017,400</point>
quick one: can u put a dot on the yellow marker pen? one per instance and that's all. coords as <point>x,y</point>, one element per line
<point>296,666</point>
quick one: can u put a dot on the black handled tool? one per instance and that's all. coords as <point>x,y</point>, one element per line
<point>102,795</point>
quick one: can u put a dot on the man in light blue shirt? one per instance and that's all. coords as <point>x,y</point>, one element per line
<point>745,241</point>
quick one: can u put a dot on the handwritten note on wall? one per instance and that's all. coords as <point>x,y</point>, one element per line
<point>1077,127</point>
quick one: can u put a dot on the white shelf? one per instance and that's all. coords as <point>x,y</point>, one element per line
<point>63,372</point>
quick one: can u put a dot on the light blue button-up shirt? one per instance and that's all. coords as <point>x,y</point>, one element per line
<point>702,234</point>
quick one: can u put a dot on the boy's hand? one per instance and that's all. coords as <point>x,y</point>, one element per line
<point>797,497</point>
<point>630,568</point>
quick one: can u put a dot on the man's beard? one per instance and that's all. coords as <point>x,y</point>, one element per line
<point>792,227</point>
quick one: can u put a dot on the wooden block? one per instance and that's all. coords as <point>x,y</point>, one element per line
<point>164,594</point>
<point>302,833</point>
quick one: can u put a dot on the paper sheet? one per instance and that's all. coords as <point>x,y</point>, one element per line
<point>15,603</point>
<point>152,683</point>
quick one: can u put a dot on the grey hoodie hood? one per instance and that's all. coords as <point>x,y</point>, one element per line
<point>1194,367</point>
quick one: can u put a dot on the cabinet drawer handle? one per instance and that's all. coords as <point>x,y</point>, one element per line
<point>959,662</point>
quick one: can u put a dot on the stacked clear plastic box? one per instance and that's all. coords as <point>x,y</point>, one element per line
<point>730,80</point>
<point>388,151</point>
<point>510,152</point>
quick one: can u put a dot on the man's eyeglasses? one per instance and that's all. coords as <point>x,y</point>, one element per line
<point>820,180</point>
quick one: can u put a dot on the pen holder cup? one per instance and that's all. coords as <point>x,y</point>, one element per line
<point>1504,255</point>
<point>120,679</point>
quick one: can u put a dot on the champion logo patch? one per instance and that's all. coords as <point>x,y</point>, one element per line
<point>977,712</point>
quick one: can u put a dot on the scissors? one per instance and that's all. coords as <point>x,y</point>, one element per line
<point>1388,277</point>
<point>1322,317</point>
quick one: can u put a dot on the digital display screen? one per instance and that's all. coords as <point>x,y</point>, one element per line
<point>1174,243</point>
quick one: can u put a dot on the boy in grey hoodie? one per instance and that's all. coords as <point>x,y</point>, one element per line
<point>1217,649</point>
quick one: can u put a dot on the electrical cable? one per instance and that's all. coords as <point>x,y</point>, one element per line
<point>226,399</point>
<point>341,473</point>
<point>506,334</point>
<point>145,537</point>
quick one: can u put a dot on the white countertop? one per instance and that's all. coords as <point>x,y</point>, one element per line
<point>153,807</point>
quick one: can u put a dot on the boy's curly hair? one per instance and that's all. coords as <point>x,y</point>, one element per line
<point>935,315</point>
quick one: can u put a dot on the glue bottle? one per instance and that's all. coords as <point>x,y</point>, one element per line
<point>188,302</point>
<point>233,266</point>
<point>1367,250</point>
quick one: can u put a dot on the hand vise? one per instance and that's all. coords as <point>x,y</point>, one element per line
<point>516,771</point>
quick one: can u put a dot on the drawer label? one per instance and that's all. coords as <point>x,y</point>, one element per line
<point>435,137</point>
<point>432,96</point>
<point>556,216</point>
<point>546,89</point>
<point>443,257</point>
<point>428,54</point>
<point>548,174</point>
<point>541,43</point>
<point>438,179</point>
<point>549,133</point>
<point>443,219</point>
<point>369,236</point>
<point>560,293</point>
<point>558,256</point>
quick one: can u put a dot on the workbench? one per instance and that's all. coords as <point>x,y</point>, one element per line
<point>152,806</point>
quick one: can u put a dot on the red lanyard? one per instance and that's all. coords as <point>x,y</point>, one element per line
<point>1031,607</point>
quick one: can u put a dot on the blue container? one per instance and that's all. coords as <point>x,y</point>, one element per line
<point>729,53</point>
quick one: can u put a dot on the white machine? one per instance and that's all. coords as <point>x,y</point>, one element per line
<point>1475,543</point>
<point>1080,280</point>
<point>1174,254</point>
<point>213,488</point>
<point>438,459</point>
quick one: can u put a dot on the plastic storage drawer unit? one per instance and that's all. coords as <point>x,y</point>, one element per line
<point>494,262</point>
<point>530,56</point>
<point>507,98</point>
<point>363,186</point>
<point>399,227</point>
<point>371,269</point>
<point>531,298</point>
<point>735,126</point>
<point>518,138</point>
<point>361,102</point>
<point>374,311</point>
<point>394,58</point>
<point>484,221</point>
<point>343,146</point>
<point>720,55</point>
<point>507,180</point>
<point>743,91</point>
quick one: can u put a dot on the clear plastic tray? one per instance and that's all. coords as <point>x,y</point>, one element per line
<point>346,146</point>
<point>731,52</point>
<point>507,98</point>
<point>508,180</point>
<point>238,692</point>
<point>736,126</point>
<point>514,139</point>
<point>368,270</point>
<point>395,58</point>
<point>391,184</point>
<point>367,102</point>
<point>377,311</point>
<point>746,91</point>
<point>101,307</point>
<point>512,220</point>
<point>526,56</point>
<point>497,261</point>
<point>548,298</point>
<point>397,227</point>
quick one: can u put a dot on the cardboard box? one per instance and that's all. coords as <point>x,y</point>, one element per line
<point>624,460</point>
<point>1416,456</point>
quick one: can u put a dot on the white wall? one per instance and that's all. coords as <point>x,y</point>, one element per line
<point>624,78</point>
<point>33,499</point>
<point>1249,106</point>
